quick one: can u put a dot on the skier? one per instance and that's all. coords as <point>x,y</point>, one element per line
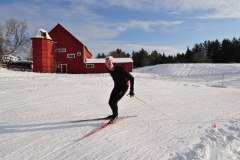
<point>121,80</point>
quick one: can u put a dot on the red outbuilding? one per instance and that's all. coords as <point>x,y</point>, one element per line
<point>60,52</point>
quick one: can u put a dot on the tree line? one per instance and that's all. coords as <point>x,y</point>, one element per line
<point>227,51</point>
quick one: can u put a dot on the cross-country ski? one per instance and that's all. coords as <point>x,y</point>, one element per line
<point>104,126</point>
<point>97,119</point>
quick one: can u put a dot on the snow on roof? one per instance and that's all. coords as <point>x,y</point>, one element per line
<point>9,55</point>
<point>41,33</point>
<point>116,60</point>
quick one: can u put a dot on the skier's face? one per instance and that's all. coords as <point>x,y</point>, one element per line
<point>109,64</point>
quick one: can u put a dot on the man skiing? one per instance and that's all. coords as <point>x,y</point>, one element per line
<point>121,80</point>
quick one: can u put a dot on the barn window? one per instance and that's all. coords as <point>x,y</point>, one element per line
<point>43,34</point>
<point>90,65</point>
<point>79,53</point>
<point>60,50</point>
<point>70,55</point>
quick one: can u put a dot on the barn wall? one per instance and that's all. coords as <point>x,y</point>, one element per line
<point>65,40</point>
<point>43,58</point>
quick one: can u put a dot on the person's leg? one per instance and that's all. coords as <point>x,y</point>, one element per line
<point>113,101</point>
<point>115,96</point>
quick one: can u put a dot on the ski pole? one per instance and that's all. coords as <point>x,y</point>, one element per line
<point>148,105</point>
<point>139,99</point>
<point>151,106</point>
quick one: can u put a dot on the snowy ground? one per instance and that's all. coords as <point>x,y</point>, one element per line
<point>183,103</point>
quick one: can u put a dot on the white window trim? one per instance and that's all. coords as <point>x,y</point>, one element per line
<point>60,50</point>
<point>79,53</point>
<point>71,55</point>
<point>90,65</point>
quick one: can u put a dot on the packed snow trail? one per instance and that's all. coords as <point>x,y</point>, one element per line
<point>36,109</point>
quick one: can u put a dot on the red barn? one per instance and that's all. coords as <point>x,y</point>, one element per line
<point>60,52</point>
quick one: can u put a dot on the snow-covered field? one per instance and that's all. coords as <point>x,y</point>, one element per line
<point>182,102</point>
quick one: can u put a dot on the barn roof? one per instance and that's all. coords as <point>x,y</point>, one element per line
<point>116,60</point>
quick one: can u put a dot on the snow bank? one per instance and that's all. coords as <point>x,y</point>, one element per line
<point>216,75</point>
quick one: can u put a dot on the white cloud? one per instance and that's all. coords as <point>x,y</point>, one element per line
<point>147,26</point>
<point>210,9</point>
<point>103,31</point>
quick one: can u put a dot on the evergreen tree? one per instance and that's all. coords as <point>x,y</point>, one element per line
<point>140,58</point>
<point>154,58</point>
<point>188,56</point>
<point>101,55</point>
<point>216,51</point>
<point>118,53</point>
<point>236,45</point>
<point>227,51</point>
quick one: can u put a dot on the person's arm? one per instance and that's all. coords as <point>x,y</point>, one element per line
<point>131,78</point>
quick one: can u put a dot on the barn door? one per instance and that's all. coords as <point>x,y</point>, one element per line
<point>63,68</point>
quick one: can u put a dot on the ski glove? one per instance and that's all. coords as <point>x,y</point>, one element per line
<point>131,94</point>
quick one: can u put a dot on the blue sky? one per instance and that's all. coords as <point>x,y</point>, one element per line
<point>168,26</point>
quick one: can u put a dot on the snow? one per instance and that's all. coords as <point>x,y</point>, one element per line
<point>39,34</point>
<point>177,107</point>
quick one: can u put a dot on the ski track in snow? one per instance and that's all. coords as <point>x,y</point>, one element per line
<point>183,102</point>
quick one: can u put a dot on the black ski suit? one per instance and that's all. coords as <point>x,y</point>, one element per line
<point>120,77</point>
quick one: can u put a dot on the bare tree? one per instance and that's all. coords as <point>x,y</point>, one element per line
<point>14,37</point>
